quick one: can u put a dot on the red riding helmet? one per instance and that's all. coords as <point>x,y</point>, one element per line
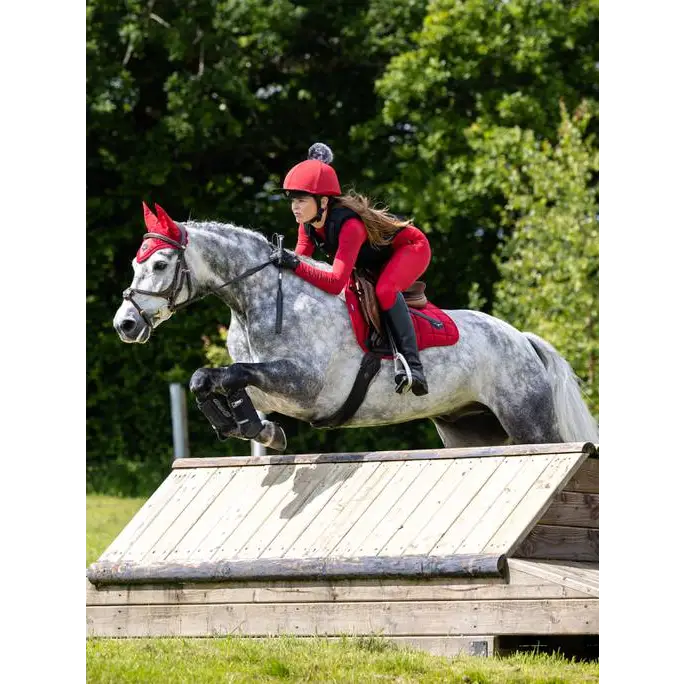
<point>314,176</point>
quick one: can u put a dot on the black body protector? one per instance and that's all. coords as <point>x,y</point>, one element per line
<point>371,259</point>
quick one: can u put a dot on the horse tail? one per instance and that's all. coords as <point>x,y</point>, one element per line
<point>575,422</point>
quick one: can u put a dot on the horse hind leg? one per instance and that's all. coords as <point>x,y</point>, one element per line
<point>481,428</point>
<point>529,417</point>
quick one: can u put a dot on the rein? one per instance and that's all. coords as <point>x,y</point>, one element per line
<point>182,275</point>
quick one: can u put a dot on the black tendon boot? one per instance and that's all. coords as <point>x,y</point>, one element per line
<point>231,415</point>
<point>399,322</point>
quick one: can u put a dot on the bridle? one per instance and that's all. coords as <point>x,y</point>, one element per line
<point>181,276</point>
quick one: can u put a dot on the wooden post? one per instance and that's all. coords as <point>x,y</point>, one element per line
<point>259,449</point>
<point>179,421</point>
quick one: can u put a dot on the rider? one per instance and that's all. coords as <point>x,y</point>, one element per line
<point>395,252</point>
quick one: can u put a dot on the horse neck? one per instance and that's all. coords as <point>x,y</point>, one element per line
<point>218,253</point>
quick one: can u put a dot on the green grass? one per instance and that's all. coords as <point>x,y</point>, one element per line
<point>106,516</point>
<point>290,659</point>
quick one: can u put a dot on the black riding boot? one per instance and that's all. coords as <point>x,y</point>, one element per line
<point>399,322</point>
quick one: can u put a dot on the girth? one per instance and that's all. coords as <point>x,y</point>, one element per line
<point>370,365</point>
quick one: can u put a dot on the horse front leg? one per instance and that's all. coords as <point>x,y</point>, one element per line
<point>221,396</point>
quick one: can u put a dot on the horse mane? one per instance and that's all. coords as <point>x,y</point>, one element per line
<point>223,229</point>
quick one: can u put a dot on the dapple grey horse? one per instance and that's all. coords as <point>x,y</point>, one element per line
<point>495,386</point>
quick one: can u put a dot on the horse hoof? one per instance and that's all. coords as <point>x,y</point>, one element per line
<point>200,382</point>
<point>273,436</point>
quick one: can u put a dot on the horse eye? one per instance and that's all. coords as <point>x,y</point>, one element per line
<point>159,266</point>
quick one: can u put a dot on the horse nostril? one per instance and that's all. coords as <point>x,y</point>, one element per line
<point>127,325</point>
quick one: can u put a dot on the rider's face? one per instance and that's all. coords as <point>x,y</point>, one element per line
<point>304,207</point>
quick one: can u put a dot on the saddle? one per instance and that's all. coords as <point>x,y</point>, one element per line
<point>433,327</point>
<point>364,287</point>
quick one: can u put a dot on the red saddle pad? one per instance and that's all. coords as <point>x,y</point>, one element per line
<point>427,335</point>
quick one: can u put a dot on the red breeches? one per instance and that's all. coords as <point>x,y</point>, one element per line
<point>409,261</point>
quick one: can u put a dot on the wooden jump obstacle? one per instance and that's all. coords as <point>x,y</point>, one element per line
<point>446,549</point>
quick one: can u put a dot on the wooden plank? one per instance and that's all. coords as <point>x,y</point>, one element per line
<point>242,492</point>
<point>433,618</point>
<point>479,507</point>
<point>586,578</point>
<point>484,528</point>
<point>404,505</point>
<point>428,589</point>
<point>557,573</point>
<point>533,506</point>
<point>453,507</point>
<point>573,509</point>
<point>449,480</point>
<point>555,542</point>
<point>172,509</point>
<point>144,517</point>
<point>343,511</point>
<point>311,489</point>
<point>272,501</point>
<point>332,501</point>
<point>588,571</point>
<point>195,507</point>
<point>586,581</point>
<point>378,509</point>
<point>586,479</point>
<point>418,454</point>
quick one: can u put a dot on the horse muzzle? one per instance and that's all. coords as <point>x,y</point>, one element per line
<point>130,326</point>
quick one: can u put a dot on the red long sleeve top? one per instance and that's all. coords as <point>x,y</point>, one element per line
<point>352,236</point>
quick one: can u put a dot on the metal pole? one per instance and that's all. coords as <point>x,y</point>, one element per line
<point>259,449</point>
<point>179,421</point>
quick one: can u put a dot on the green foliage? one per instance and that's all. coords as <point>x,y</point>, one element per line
<point>484,62</point>
<point>550,264</point>
<point>215,350</point>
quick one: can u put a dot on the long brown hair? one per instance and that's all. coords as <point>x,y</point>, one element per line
<point>380,224</point>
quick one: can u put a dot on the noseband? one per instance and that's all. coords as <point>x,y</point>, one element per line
<point>182,276</point>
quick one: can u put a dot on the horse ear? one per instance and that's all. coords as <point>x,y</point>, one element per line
<point>151,222</point>
<point>168,226</point>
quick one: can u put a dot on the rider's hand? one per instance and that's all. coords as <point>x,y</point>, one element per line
<point>288,260</point>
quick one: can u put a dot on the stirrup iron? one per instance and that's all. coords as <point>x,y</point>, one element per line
<point>403,377</point>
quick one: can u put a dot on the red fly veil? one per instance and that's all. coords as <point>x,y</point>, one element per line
<point>161,224</point>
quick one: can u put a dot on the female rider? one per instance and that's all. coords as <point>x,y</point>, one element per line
<point>395,252</point>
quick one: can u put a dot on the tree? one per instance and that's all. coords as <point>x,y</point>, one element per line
<point>549,265</point>
<point>202,106</point>
<point>483,62</point>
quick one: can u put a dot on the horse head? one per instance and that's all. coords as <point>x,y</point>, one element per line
<point>161,280</point>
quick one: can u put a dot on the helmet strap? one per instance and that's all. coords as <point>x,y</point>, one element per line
<point>319,213</point>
